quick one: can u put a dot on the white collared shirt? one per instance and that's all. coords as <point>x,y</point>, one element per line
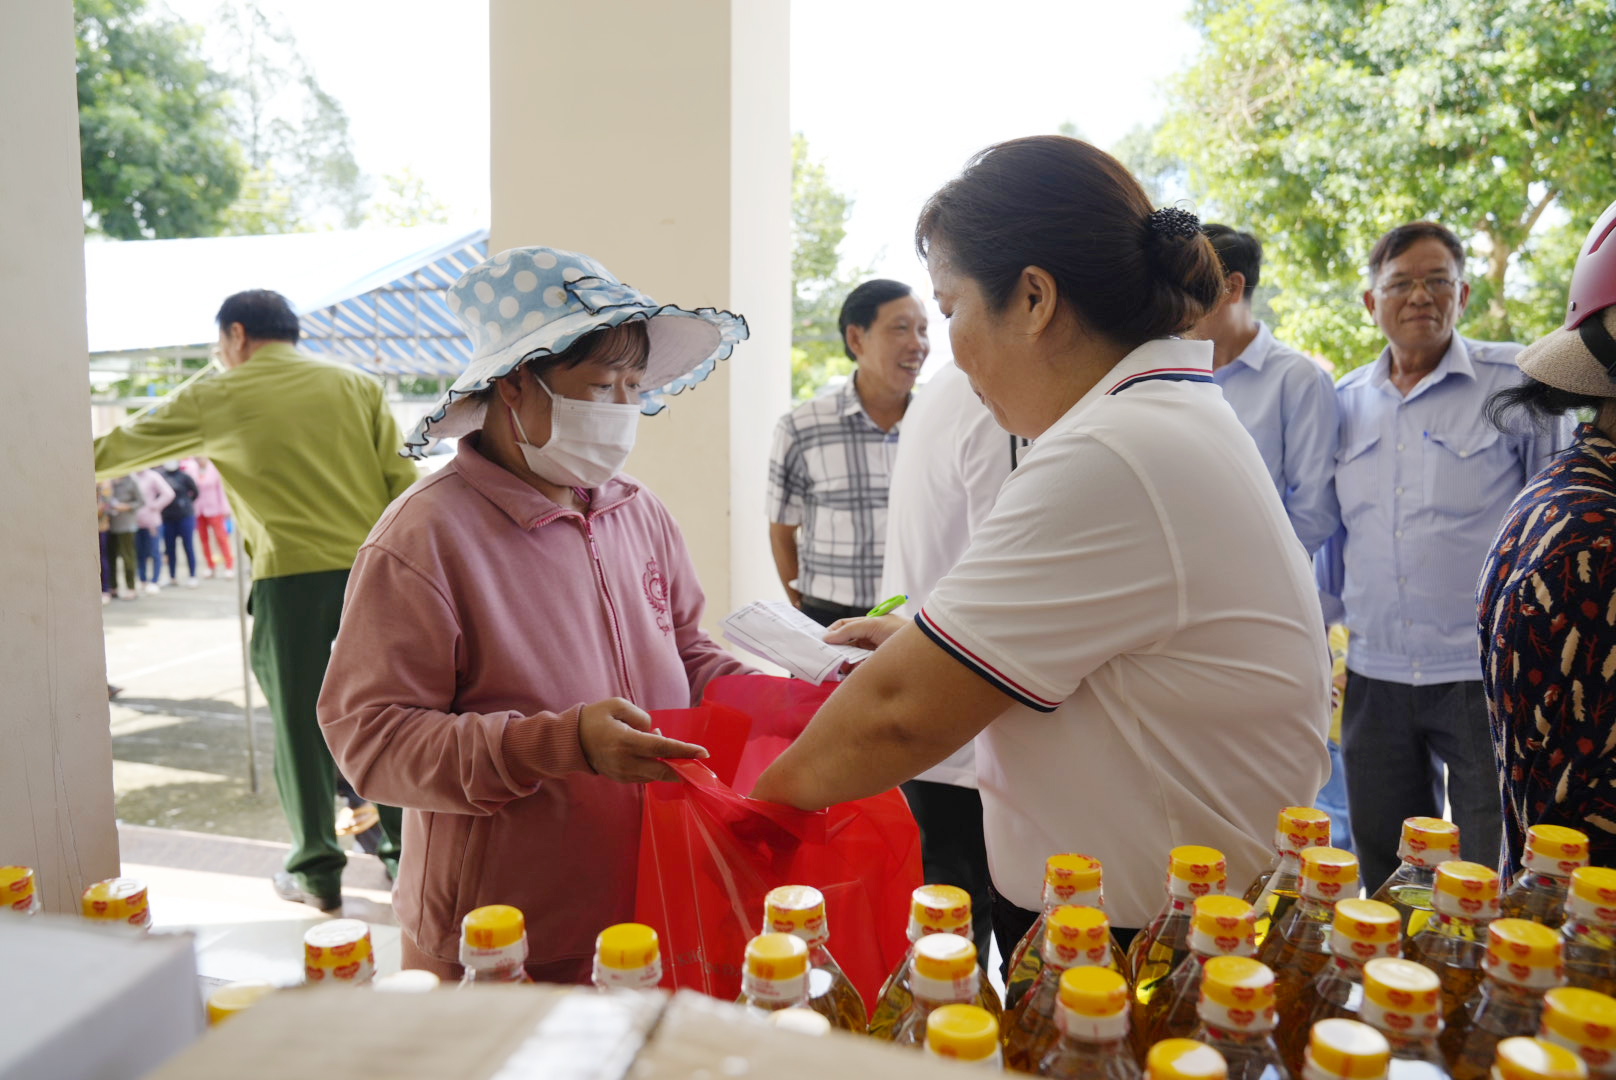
<point>1139,592</point>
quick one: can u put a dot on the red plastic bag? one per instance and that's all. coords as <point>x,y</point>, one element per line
<point>708,854</point>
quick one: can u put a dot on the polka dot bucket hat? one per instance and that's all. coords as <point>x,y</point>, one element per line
<point>531,302</point>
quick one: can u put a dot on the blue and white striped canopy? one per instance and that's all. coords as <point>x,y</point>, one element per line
<point>402,325</point>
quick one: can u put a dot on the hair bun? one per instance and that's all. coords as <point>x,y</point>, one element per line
<point>1171,221</point>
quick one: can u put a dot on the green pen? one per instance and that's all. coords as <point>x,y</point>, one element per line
<point>889,605</point>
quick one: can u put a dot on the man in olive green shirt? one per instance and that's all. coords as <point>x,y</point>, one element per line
<point>309,454</point>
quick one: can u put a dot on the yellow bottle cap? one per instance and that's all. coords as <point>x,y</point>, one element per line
<point>16,888</point>
<point>776,956</point>
<point>1184,1059</point>
<point>1093,991</point>
<point>232,998</point>
<point>1223,926</point>
<point>944,957</point>
<point>1582,1018</point>
<point>492,927</point>
<point>1329,874</point>
<point>1202,865</point>
<point>1516,942</point>
<point>1402,986</point>
<point>965,1032</point>
<point>1366,922</point>
<point>626,947</point>
<point>1595,886</point>
<point>1072,873</point>
<point>1558,843</point>
<point>940,909</point>
<point>1077,935</point>
<point>1238,982</point>
<point>796,909</point>
<point>117,899</point>
<point>1348,1049</point>
<point>1536,1059</point>
<point>1427,841</point>
<point>337,944</point>
<point>1466,890</point>
<point>1304,827</point>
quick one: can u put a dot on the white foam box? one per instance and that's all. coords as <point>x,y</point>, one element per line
<point>93,1004</point>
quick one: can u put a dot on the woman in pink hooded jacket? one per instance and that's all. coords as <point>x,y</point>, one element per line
<point>512,617</point>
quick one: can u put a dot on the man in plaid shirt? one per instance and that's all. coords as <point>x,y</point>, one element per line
<point>832,459</point>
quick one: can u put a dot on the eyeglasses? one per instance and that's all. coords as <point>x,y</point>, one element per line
<point>1437,287</point>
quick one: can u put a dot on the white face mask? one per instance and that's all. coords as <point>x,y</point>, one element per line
<point>589,440</point>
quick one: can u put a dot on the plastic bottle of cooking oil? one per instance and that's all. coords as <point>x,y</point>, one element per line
<point>1403,1001</point>
<point>1588,935</point>
<point>1553,854</point>
<point>1298,945</point>
<point>1345,1050</point>
<point>1070,880</point>
<point>1453,942</point>
<point>1363,930</point>
<point>943,972</point>
<point>776,974</point>
<point>1584,1022</point>
<point>493,946</point>
<point>1092,1017</point>
<point>1073,937</point>
<point>1238,1017</point>
<point>800,910</point>
<point>1279,886</point>
<point>933,909</point>
<point>1536,1059</point>
<point>1426,843</point>
<point>1192,872</point>
<point>964,1033</point>
<point>628,956</point>
<point>1523,961</point>
<point>1219,926</point>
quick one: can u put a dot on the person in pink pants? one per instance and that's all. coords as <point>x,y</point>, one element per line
<point>212,514</point>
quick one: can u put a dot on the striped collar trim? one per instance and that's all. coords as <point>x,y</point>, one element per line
<point>1162,375</point>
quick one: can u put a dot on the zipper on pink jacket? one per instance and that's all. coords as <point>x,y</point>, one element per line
<point>611,610</point>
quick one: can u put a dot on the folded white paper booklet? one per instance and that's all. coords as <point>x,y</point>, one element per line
<point>781,634</point>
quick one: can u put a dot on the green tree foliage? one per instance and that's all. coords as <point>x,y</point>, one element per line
<point>1319,124</point>
<point>158,156</point>
<point>819,283</point>
<point>407,201</point>
<point>294,134</point>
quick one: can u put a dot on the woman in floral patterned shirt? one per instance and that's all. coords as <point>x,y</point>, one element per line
<point>1547,595</point>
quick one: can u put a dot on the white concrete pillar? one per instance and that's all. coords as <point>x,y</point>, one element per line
<point>655,137</point>
<point>55,747</point>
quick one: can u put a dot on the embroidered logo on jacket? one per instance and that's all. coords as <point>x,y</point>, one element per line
<point>656,594</point>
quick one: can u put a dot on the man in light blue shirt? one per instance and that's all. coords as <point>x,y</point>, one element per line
<point>1423,481</point>
<point>1281,396</point>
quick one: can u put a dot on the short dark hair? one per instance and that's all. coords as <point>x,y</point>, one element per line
<point>632,341</point>
<point>1074,210</point>
<point>1543,405</point>
<point>264,315</point>
<point>1239,252</point>
<point>1403,237</point>
<point>863,304</point>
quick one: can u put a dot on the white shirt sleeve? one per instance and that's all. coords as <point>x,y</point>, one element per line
<point>1073,568</point>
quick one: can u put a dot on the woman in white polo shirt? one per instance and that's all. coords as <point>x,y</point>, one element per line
<point>1134,630</point>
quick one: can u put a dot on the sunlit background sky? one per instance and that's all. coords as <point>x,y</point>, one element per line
<point>892,95</point>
